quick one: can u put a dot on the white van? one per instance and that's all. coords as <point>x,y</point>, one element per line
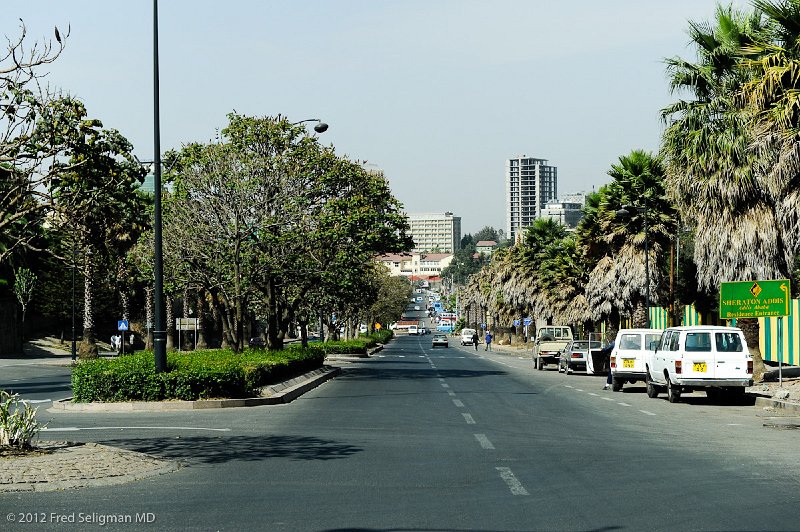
<point>628,355</point>
<point>412,329</point>
<point>466,336</point>
<point>715,359</point>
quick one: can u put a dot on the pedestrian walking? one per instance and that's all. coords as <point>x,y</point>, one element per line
<point>475,340</point>
<point>606,352</point>
<point>488,341</point>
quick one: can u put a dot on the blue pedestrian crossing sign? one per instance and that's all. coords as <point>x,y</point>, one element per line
<point>527,321</point>
<point>122,325</point>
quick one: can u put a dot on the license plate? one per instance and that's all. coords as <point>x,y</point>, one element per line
<point>627,362</point>
<point>699,367</point>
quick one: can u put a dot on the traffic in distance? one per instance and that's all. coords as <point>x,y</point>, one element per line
<point>712,359</point>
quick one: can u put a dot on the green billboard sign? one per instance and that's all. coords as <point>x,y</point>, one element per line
<point>754,299</point>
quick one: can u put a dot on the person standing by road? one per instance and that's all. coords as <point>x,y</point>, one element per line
<point>488,341</point>
<point>475,340</point>
<point>606,352</point>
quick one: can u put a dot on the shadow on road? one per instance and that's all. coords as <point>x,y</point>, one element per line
<point>217,450</point>
<point>38,387</point>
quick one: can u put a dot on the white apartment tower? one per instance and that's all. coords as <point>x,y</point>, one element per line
<point>530,184</point>
<point>435,232</point>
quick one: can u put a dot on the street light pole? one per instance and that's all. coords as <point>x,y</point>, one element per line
<point>159,330</point>
<point>74,350</point>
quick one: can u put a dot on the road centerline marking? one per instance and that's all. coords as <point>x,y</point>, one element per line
<point>484,441</point>
<point>468,418</point>
<point>511,481</point>
<point>646,412</point>
<point>458,403</point>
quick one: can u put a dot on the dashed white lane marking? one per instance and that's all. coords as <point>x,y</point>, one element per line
<point>568,386</point>
<point>35,401</point>
<point>594,394</point>
<point>458,403</point>
<point>74,429</point>
<point>734,424</point>
<point>484,441</point>
<point>623,404</point>
<point>606,399</point>
<point>451,393</point>
<point>441,379</point>
<point>646,412</point>
<point>578,390</point>
<point>514,485</point>
<point>445,385</point>
<point>468,418</point>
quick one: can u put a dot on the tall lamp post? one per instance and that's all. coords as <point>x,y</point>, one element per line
<point>74,350</point>
<point>625,213</point>
<point>159,327</point>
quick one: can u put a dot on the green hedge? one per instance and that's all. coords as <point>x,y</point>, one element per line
<point>189,376</point>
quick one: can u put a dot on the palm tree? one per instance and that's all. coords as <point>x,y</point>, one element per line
<point>714,176</point>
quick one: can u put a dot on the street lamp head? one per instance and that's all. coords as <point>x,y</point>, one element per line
<point>322,127</point>
<point>624,213</point>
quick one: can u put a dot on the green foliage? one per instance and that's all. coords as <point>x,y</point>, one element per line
<point>349,347</point>
<point>18,424</point>
<point>190,376</point>
<point>381,336</point>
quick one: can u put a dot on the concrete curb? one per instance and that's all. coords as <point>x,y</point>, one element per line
<point>356,356</point>
<point>776,404</point>
<point>282,393</point>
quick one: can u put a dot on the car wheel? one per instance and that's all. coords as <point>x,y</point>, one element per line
<point>673,392</point>
<point>652,390</point>
<point>616,384</point>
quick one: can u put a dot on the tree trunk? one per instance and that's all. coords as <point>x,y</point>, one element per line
<point>168,303</point>
<point>200,308</point>
<point>640,314</point>
<point>150,312</point>
<point>751,331</point>
<point>188,337</point>
<point>274,341</point>
<point>303,333</point>
<point>88,347</point>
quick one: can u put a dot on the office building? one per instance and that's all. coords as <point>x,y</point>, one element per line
<point>530,184</point>
<point>433,232</point>
<point>566,213</point>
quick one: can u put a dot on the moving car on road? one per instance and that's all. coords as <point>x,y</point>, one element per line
<point>466,336</point>
<point>440,340</point>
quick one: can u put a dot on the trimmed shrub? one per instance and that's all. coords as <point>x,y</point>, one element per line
<point>189,376</point>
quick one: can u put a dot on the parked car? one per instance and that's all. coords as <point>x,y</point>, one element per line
<point>441,340</point>
<point>412,329</point>
<point>699,357</point>
<point>628,356</point>
<point>575,355</point>
<point>466,336</point>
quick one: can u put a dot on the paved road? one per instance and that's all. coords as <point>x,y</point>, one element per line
<point>445,439</point>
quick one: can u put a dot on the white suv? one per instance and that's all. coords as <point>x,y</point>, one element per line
<point>628,356</point>
<point>715,359</point>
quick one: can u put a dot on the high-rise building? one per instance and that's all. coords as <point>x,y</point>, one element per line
<point>530,184</point>
<point>435,232</point>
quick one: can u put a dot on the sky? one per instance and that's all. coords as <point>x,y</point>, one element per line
<point>436,93</point>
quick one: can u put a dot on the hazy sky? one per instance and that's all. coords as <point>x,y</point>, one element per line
<point>437,93</point>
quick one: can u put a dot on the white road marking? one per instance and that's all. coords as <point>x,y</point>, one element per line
<point>569,386</point>
<point>468,419</point>
<point>451,392</point>
<point>624,404</point>
<point>75,429</point>
<point>484,441</point>
<point>514,485</point>
<point>444,385</point>
<point>594,394</point>
<point>578,390</point>
<point>734,424</point>
<point>646,412</point>
<point>458,403</point>
<point>441,379</point>
<point>606,399</point>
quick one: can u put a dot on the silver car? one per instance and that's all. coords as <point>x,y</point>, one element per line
<point>574,356</point>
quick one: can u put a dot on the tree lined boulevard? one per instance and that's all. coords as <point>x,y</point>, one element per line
<point>446,439</point>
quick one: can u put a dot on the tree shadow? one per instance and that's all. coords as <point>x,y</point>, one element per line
<point>38,387</point>
<point>221,449</point>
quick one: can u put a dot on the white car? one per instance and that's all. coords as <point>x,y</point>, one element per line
<point>715,359</point>
<point>412,329</point>
<point>466,336</point>
<point>628,355</point>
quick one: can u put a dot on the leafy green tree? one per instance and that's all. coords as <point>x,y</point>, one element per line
<point>95,196</point>
<point>24,283</point>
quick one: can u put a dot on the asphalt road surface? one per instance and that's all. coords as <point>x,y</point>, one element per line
<point>444,440</point>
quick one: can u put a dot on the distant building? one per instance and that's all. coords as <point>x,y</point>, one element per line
<point>530,184</point>
<point>575,197</point>
<point>433,232</point>
<point>417,266</point>
<point>567,214</point>
<point>485,246</point>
